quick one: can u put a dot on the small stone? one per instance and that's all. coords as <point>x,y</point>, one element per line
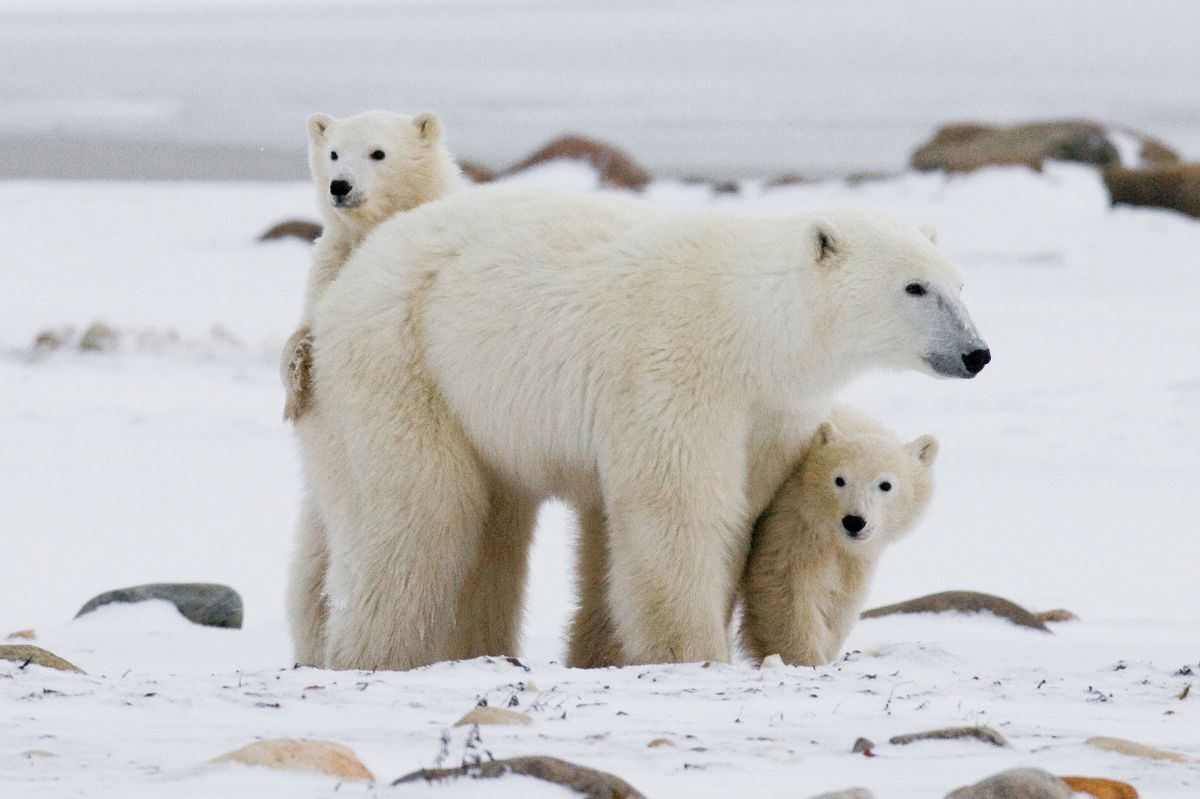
<point>773,662</point>
<point>863,746</point>
<point>25,635</point>
<point>476,172</point>
<point>1017,783</point>
<point>493,715</point>
<point>300,754</point>
<point>584,781</point>
<point>51,340</point>
<point>1101,788</point>
<point>203,603</point>
<point>985,734</point>
<point>1134,749</point>
<point>26,653</point>
<point>962,602</point>
<point>99,337</point>
<point>37,754</point>
<point>849,793</point>
<point>660,742</point>
<point>293,228</point>
<point>1056,615</point>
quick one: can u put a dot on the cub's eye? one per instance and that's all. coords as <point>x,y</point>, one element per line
<point>333,155</point>
<point>885,486</point>
<point>915,289</point>
<point>377,155</point>
<point>839,482</point>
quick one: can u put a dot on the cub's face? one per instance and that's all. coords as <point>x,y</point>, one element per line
<point>366,167</point>
<point>865,491</point>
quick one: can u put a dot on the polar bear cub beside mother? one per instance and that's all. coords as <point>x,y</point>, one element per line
<point>660,370</point>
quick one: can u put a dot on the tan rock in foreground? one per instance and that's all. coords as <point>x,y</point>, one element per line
<point>25,635</point>
<point>26,653</point>
<point>301,754</point>
<point>493,715</point>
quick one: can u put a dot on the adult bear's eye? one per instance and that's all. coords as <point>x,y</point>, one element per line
<point>377,155</point>
<point>915,289</point>
<point>333,155</point>
<point>839,482</point>
<point>885,486</point>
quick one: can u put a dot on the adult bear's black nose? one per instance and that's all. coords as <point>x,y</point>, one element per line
<point>976,360</point>
<point>854,524</point>
<point>340,188</point>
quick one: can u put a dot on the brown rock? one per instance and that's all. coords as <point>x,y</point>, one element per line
<point>99,337</point>
<point>292,228</point>
<point>1176,187</point>
<point>493,715</point>
<point>300,754</point>
<point>985,734</point>
<point>660,742</point>
<point>476,172</point>
<point>787,179</point>
<point>967,147</point>
<point>615,167</point>
<point>585,781</point>
<point>51,340</point>
<point>1056,615</point>
<point>962,602</point>
<point>26,635</point>
<point>29,654</point>
<point>1101,788</point>
<point>1135,749</point>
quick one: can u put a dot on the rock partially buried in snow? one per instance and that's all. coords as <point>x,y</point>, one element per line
<point>962,602</point>
<point>35,655</point>
<point>1176,187</point>
<point>23,635</point>
<point>1101,788</point>
<point>493,715</point>
<point>1017,783</point>
<point>985,734</point>
<point>209,604</point>
<point>582,780</point>
<point>301,229</point>
<point>849,793</point>
<point>1135,749</point>
<point>614,167</point>
<point>301,754</point>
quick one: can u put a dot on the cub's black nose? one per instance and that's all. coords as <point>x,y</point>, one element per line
<point>976,360</point>
<point>853,524</point>
<point>340,188</point>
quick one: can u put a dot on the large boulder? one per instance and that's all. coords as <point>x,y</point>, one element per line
<point>967,147</point>
<point>1176,186</point>
<point>203,603</point>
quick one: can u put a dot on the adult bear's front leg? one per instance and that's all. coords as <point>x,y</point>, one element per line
<point>679,537</point>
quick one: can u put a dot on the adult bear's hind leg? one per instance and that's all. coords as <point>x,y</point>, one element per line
<point>593,638</point>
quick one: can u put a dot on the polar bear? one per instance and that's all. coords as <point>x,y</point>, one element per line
<point>365,168</point>
<point>814,551</point>
<point>659,370</point>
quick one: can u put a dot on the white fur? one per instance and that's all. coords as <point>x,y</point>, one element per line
<point>661,368</point>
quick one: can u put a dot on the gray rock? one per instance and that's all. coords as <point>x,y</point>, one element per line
<point>209,604</point>
<point>589,782</point>
<point>849,793</point>
<point>1017,783</point>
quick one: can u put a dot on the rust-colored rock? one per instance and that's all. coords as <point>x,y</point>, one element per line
<point>35,655</point>
<point>587,782</point>
<point>1176,187</point>
<point>292,228</point>
<point>1135,749</point>
<point>614,167</point>
<point>301,754</point>
<point>962,602</point>
<point>1101,788</point>
<point>660,742</point>
<point>493,715</point>
<point>967,147</point>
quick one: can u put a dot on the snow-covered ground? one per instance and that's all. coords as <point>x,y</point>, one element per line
<point>1066,479</point>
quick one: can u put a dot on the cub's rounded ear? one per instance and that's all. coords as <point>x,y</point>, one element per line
<point>826,242</point>
<point>924,449</point>
<point>429,126</point>
<point>825,434</point>
<point>930,232</point>
<point>317,125</point>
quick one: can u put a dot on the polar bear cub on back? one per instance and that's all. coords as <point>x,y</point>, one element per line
<point>365,168</point>
<point>856,490</point>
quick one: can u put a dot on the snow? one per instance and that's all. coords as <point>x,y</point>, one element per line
<point>1066,479</point>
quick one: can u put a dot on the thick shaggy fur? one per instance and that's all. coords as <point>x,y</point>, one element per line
<point>659,370</point>
<point>807,576</point>
<point>415,169</point>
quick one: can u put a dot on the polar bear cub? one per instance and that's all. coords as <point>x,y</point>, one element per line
<point>814,552</point>
<point>365,168</point>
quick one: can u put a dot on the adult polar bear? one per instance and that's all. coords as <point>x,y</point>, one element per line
<point>659,370</point>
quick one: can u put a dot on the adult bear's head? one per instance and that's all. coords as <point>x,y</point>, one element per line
<point>889,295</point>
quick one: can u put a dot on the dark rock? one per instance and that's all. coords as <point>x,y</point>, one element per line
<point>585,781</point>
<point>1017,783</point>
<point>1176,187</point>
<point>961,602</point>
<point>985,734</point>
<point>35,655</point>
<point>203,603</point>
<point>967,147</point>
<point>293,228</point>
<point>615,167</point>
<point>476,172</point>
<point>863,746</point>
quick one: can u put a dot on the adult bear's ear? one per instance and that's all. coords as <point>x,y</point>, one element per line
<point>429,126</point>
<point>826,241</point>
<point>826,433</point>
<point>930,232</point>
<point>317,125</point>
<point>924,449</point>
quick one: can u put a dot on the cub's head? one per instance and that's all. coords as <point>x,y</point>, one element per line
<point>889,296</point>
<point>865,490</point>
<point>372,165</point>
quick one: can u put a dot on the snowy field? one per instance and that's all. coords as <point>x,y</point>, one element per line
<point>1067,478</point>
